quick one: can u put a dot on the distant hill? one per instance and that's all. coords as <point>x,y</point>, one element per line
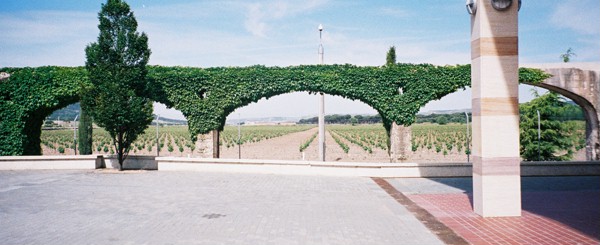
<point>71,111</point>
<point>65,114</point>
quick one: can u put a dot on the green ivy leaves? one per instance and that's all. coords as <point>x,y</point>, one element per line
<point>207,95</point>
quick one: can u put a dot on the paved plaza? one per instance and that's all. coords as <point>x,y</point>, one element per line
<point>109,207</point>
<point>158,207</point>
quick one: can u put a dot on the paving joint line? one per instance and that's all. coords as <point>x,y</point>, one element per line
<point>443,232</point>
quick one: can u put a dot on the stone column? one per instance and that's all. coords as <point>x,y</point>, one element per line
<point>215,143</point>
<point>400,143</point>
<point>207,145</point>
<point>494,81</point>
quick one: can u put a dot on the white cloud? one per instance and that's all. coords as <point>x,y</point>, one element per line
<point>394,12</point>
<point>260,15</point>
<point>255,21</point>
<point>38,38</point>
<point>578,15</point>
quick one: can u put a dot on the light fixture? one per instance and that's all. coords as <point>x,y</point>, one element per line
<point>471,6</point>
<point>501,5</point>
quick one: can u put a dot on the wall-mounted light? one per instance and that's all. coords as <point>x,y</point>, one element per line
<point>471,7</point>
<point>501,5</point>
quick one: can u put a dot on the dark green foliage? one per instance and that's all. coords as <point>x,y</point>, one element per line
<point>566,57</point>
<point>442,120</point>
<point>390,58</point>
<point>343,119</point>
<point>458,117</point>
<point>85,133</point>
<point>207,96</point>
<point>117,70</point>
<point>308,142</point>
<point>27,98</point>
<point>557,142</point>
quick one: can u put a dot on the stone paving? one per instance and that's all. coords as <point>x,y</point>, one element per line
<point>139,207</point>
<point>556,210</point>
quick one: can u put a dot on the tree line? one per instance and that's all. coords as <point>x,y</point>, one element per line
<point>344,119</point>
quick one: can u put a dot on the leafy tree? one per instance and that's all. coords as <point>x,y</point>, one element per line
<point>390,59</point>
<point>442,120</point>
<point>556,141</point>
<point>566,57</point>
<point>117,71</point>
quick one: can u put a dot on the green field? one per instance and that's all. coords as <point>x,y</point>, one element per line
<point>172,138</point>
<point>443,139</point>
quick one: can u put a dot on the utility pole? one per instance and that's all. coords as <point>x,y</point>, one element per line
<point>321,104</point>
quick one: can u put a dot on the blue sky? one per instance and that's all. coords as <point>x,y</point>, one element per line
<point>282,33</point>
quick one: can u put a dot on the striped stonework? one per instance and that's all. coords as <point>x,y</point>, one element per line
<point>494,79</point>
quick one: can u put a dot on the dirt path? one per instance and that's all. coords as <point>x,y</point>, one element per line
<point>285,147</point>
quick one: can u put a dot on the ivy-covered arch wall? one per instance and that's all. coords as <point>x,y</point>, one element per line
<point>207,96</point>
<point>30,95</point>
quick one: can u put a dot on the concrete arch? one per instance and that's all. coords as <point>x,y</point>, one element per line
<point>579,82</point>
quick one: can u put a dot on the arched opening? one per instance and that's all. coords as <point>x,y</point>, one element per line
<point>450,110</point>
<point>284,127</point>
<point>59,131</point>
<point>586,146</point>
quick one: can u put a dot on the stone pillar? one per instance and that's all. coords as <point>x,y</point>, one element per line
<point>215,143</point>
<point>494,81</point>
<point>400,143</point>
<point>207,145</point>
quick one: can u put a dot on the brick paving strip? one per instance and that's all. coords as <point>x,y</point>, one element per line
<point>555,210</point>
<point>447,235</point>
<point>455,211</point>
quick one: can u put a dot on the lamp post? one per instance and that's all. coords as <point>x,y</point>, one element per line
<point>75,136</point>
<point>321,104</point>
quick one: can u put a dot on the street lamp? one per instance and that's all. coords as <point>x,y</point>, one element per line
<point>321,103</point>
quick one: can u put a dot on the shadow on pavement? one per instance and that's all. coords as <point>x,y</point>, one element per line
<point>573,200</point>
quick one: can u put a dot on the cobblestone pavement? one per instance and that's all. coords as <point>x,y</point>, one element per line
<point>138,207</point>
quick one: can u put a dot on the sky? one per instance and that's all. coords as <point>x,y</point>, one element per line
<point>284,33</point>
